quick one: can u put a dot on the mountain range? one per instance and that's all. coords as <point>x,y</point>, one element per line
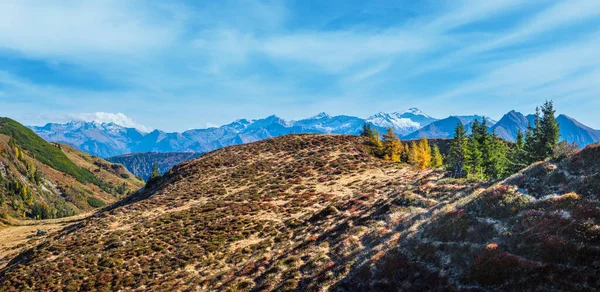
<point>109,139</point>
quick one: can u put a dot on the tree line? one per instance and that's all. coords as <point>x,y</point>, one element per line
<point>476,152</point>
<point>389,147</point>
<point>484,155</point>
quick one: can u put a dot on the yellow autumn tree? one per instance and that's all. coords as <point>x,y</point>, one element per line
<point>436,157</point>
<point>392,146</point>
<point>423,152</point>
<point>413,153</point>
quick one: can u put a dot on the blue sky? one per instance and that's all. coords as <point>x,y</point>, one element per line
<point>177,65</point>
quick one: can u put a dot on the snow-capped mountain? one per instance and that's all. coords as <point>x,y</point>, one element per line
<point>403,123</point>
<point>108,139</point>
<point>100,139</point>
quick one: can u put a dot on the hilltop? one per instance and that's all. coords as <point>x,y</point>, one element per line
<point>310,212</point>
<point>43,180</point>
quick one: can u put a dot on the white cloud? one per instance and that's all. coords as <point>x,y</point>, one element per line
<point>103,117</point>
<point>82,30</point>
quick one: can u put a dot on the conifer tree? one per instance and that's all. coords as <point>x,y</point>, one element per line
<point>541,139</point>
<point>405,151</point>
<point>458,154</point>
<point>496,164</point>
<point>423,160</point>
<point>476,149</point>
<point>367,131</point>
<point>517,156</point>
<point>436,157</point>
<point>549,130</point>
<point>155,173</point>
<point>413,153</point>
<point>376,144</point>
<point>392,146</point>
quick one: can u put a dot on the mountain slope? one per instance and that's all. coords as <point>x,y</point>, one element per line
<point>43,180</point>
<point>575,132</point>
<point>439,129</point>
<point>310,212</point>
<point>509,125</point>
<point>141,164</point>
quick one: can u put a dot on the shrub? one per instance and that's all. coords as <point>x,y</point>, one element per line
<point>95,202</point>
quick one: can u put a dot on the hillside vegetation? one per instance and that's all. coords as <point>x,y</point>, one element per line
<point>315,212</point>
<point>39,180</point>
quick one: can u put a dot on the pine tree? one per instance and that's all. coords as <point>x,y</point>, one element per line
<point>549,130</point>
<point>155,173</point>
<point>517,156</point>
<point>436,157</point>
<point>474,160</point>
<point>392,146</point>
<point>543,137</point>
<point>405,151</point>
<point>367,131</point>
<point>458,154</point>
<point>496,164</point>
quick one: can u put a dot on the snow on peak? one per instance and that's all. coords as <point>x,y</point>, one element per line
<point>394,121</point>
<point>320,115</point>
<point>413,111</point>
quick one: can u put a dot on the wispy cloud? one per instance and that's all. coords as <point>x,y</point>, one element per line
<point>217,61</point>
<point>102,117</point>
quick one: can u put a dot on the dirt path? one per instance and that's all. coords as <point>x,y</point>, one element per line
<point>22,234</point>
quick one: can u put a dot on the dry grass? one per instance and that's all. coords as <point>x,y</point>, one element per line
<point>315,212</point>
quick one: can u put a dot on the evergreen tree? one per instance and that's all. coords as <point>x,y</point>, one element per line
<point>532,139</point>
<point>155,173</point>
<point>496,164</point>
<point>405,151</point>
<point>458,154</point>
<point>436,157</point>
<point>367,131</point>
<point>541,140</point>
<point>549,130</point>
<point>517,156</point>
<point>474,159</point>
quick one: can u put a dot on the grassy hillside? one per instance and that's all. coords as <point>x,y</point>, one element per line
<point>42,150</point>
<point>42,180</point>
<point>315,212</point>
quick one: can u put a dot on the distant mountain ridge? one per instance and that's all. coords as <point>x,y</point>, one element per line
<point>109,140</point>
<point>141,164</point>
